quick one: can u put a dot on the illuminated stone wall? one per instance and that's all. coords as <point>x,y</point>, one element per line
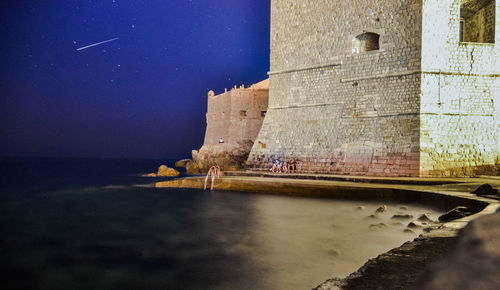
<point>339,111</point>
<point>236,115</point>
<point>460,100</point>
<point>420,105</point>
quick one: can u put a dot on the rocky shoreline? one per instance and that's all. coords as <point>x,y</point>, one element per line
<point>399,268</point>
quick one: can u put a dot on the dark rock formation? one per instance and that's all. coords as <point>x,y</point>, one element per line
<point>473,264</point>
<point>402,216</point>
<point>396,269</point>
<point>425,218</point>
<point>456,213</point>
<point>381,209</point>
<point>486,189</point>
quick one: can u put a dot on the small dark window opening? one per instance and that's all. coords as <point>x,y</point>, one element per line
<point>366,41</point>
<point>477,21</point>
<point>461,35</point>
<point>263,113</point>
<point>243,113</point>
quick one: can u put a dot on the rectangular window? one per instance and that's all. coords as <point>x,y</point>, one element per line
<point>477,21</point>
<point>461,35</point>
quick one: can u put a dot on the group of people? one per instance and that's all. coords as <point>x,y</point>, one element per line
<point>284,166</point>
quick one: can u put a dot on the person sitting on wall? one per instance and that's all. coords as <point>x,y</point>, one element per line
<point>284,168</point>
<point>221,140</point>
<point>292,166</point>
<point>275,167</point>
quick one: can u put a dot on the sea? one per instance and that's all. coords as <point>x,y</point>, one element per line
<point>69,223</point>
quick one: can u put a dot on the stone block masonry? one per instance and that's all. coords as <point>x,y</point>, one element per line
<point>381,88</point>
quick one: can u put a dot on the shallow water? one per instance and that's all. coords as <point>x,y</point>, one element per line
<point>84,224</point>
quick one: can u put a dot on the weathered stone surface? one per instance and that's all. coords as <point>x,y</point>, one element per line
<point>234,119</point>
<point>192,167</point>
<point>473,264</point>
<point>228,158</point>
<point>182,163</point>
<point>456,213</point>
<point>424,104</point>
<point>485,189</point>
<point>165,171</point>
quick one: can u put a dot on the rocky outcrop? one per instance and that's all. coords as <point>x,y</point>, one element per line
<point>485,189</point>
<point>456,213</point>
<point>165,171</point>
<point>473,264</point>
<point>396,269</point>
<point>182,163</point>
<point>229,158</point>
<point>190,165</point>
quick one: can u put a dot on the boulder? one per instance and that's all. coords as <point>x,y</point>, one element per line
<point>229,158</point>
<point>402,216</point>
<point>361,207</point>
<point>192,167</point>
<point>425,218</point>
<point>381,209</point>
<point>456,213</point>
<point>485,189</point>
<point>416,224</point>
<point>379,226</point>
<point>164,171</point>
<point>182,163</point>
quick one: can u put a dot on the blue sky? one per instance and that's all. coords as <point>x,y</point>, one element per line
<point>140,96</point>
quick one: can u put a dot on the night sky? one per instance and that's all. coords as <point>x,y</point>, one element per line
<point>140,96</point>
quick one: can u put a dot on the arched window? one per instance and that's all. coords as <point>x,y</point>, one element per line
<point>365,42</point>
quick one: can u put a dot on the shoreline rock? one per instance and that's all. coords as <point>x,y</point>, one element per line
<point>165,171</point>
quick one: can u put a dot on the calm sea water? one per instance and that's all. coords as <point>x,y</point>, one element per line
<point>96,224</point>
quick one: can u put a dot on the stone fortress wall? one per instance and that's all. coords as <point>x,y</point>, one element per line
<point>341,103</point>
<point>236,116</point>
<point>337,110</point>
<point>460,99</point>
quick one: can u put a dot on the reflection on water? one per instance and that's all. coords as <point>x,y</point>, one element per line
<point>128,237</point>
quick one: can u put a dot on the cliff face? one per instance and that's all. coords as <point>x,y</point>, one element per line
<point>234,119</point>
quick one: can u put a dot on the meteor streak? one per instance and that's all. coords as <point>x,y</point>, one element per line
<point>109,40</point>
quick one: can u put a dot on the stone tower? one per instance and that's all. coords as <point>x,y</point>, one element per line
<point>384,87</point>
